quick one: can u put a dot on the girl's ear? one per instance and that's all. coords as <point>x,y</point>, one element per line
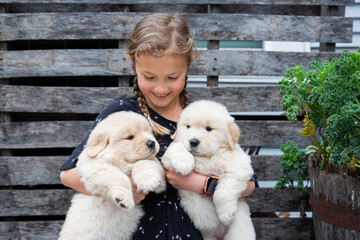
<point>97,142</point>
<point>233,134</point>
<point>128,56</point>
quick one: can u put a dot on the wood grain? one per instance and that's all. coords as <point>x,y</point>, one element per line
<point>113,62</point>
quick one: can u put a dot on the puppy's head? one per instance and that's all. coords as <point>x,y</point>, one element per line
<point>205,127</point>
<point>122,136</point>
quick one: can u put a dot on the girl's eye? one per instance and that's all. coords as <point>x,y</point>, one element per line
<point>148,78</point>
<point>209,129</point>
<point>173,78</point>
<point>130,137</point>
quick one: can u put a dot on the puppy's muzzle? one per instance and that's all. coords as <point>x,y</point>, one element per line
<point>194,142</point>
<point>150,144</point>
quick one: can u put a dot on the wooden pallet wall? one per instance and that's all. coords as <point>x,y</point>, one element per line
<point>63,61</point>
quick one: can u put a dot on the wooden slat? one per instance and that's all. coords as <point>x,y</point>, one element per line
<point>30,171</point>
<point>114,25</point>
<point>271,200</point>
<point>266,167</point>
<point>68,134</point>
<point>35,202</point>
<point>283,228</point>
<point>32,99</point>
<point>295,229</point>
<point>275,2</point>
<point>296,10</point>
<point>110,62</point>
<point>57,201</point>
<point>44,170</point>
<point>40,230</point>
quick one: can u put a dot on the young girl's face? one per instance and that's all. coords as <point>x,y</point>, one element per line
<point>161,80</point>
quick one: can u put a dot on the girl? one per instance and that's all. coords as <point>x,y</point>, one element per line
<point>161,50</point>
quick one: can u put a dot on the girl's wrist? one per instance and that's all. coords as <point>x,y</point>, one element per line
<point>210,184</point>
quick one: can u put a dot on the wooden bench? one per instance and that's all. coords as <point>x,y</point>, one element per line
<point>63,61</point>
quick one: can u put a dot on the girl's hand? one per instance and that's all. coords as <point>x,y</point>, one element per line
<point>192,182</point>
<point>137,195</point>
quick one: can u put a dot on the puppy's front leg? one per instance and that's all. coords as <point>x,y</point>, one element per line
<point>149,175</point>
<point>107,181</point>
<point>226,196</point>
<point>177,157</point>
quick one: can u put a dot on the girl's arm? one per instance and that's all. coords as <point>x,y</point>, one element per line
<point>71,179</point>
<point>195,182</point>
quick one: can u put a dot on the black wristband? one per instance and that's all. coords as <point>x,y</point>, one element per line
<point>211,185</point>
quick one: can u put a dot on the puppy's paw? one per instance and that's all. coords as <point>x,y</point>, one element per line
<point>122,198</point>
<point>148,184</point>
<point>162,186</point>
<point>148,175</point>
<point>183,163</point>
<point>166,161</point>
<point>226,214</point>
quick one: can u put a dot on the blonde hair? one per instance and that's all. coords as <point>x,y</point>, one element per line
<point>157,35</point>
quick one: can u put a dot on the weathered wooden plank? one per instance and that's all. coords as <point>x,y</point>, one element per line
<point>304,10</point>
<point>295,229</point>
<point>44,170</point>
<point>35,202</point>
<point>275,2</point>
<point>30,171</point>
<point>271,200</point>
<point>113,62</point>
<point>112,25</point>
<point>20,135</point>
<point>67,134</point>
<point>57,201</point>
<point>266,167</point>
<point>284,228</point>
<point>40,230</point>
<point>33,99</point>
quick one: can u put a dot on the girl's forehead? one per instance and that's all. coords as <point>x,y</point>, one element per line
<point>169,63</point>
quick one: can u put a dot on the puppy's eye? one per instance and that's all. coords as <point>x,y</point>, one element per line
<point>187,126</point>
<point>130,137</point>
<point>209,129</point>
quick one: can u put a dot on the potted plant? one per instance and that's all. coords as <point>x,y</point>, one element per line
<point>327,99</point>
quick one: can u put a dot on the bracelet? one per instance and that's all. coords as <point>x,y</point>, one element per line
<point>210,185</point>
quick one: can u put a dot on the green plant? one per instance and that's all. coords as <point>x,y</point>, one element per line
<point>294,166</point>
<point>327,97</point>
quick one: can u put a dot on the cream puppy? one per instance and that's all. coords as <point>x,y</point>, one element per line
<point>122,144</point>
<point>206,141</point>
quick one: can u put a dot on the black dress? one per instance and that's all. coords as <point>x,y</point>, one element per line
<point>164,218</point>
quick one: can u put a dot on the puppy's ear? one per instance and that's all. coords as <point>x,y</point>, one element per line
<point>96,143</point>
<point>233,134</point>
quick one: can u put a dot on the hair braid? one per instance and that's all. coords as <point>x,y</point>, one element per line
<point>157,128</point>
<point>184,98</point>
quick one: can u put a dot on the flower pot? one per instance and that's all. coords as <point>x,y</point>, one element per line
<point>335,202</point>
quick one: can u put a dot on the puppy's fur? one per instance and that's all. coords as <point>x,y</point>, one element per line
<point>122,144</point>
<point>206,141</point>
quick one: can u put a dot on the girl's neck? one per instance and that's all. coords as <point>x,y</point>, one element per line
<point>169,112</point>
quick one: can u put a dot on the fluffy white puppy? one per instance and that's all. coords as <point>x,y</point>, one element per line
<point>206,141</point>
<point>122,144</point>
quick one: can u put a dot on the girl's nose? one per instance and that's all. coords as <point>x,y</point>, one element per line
<point>161,88</point>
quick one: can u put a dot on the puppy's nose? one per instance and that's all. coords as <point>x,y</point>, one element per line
<point>194,142</point>
<point>150,144</point>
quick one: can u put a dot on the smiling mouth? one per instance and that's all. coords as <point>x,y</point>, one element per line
<point>161,96</point>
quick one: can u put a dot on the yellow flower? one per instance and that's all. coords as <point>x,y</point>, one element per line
<point>309,128</point>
